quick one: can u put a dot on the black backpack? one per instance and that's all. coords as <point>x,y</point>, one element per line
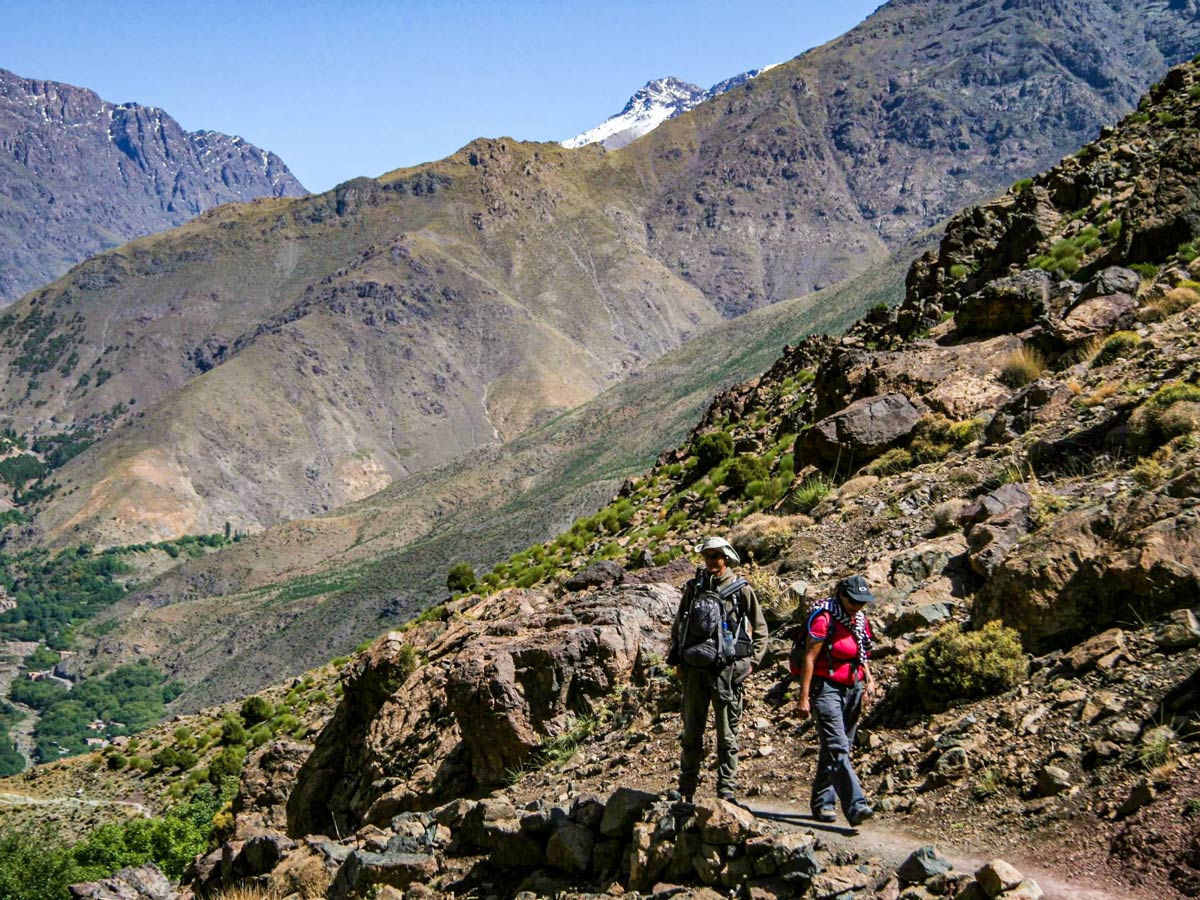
<point>709,637</point>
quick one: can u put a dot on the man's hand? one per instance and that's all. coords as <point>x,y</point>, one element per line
<point>869,692</point>
<point>804,709</point>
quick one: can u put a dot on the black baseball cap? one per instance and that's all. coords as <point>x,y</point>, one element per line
<point>856,589</point>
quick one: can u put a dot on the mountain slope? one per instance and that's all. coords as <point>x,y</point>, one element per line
<point>538,275</point>
<point>79,175</point>
<point>307,589</point>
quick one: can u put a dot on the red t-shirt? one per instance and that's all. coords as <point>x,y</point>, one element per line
<point>844,649</point>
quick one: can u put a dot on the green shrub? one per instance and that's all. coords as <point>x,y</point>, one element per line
<point>460,578</point>
<point>256,709</point>
<point>711,449</point>
<point>1118,345</point>
<point>742,471</point>
<point>959,271</point>
<point>232,731</point>
<point>227,763</point>
<point>811,492</point>
<point>890,463</point>
<point>956,665</point>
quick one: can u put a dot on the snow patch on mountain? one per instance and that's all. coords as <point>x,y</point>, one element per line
<point>659,100</point>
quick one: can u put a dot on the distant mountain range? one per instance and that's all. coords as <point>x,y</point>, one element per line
<point>79,175</point>
<point>659,100</point>
<point>282,358</point>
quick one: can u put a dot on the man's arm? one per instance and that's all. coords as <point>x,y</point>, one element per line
<point>758,625</point>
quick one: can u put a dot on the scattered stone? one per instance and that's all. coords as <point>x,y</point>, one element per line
<point>1052,780</point>
<point>1123,731</point>
<point>1103,651</point>
<point>998,876</point>
<point>722,822</point>
<point>623,808</point>
<point>922,865</point>
<point>570,848</point>
<point>1180,631</point>
<point>1142,794</point>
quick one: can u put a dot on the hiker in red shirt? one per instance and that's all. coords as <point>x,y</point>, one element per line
<point>836,685</point>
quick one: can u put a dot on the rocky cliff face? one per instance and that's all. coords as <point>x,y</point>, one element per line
<point>80,175</point>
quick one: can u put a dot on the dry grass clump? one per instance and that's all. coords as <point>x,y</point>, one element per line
<point>245,892</point>
<point>1171,412</point>
<point>945,515</point>
<point>1104,392</point>
<point>762,537</point>
<point>1175,300</point>
<point>777,602</point>
<point>1022,367</point>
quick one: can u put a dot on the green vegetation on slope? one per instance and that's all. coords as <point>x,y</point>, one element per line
<point>35,864</point>
<point>121,702</point>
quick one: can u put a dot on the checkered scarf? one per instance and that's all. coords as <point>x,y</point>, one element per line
<point>856,624</point>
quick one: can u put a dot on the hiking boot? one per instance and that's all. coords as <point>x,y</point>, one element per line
<point>678,797</point>
<point>860,814</point>
<point>825,814</point>
<point>731,797</point>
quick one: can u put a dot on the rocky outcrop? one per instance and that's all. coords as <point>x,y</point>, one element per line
<point>136,883</point>
<point>268,776</point>
<point>1086,569</point>
<point>861,431</point>
<point>516,672</point>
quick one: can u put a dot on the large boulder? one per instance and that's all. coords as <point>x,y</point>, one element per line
<point>137,883</point>
<point>1096,316</point>
<point>1006,305</point>
<point>513,691</point>
<point>497,681</point>
<point>1090,568</point>
<point>1044,400</point>
<point>861,431</point>
<point>995,522</point>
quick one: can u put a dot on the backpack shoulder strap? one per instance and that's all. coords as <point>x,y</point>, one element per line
<point>821,606</point>
<point>732,588</point>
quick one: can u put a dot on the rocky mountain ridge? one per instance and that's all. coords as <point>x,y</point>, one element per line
<point>650,106</point>
<point>81,175</point>
<point>778,187</point>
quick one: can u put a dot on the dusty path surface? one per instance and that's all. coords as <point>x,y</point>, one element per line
<point>893,845</point>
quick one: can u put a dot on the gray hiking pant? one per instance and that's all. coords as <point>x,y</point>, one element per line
<point>702,689</point>
<point>835,710</point>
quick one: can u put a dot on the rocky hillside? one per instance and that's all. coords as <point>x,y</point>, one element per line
<point>511,282</point>
<point>1010,456</point>
<point>79,175</point>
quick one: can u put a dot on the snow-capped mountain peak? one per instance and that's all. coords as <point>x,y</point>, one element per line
<point>659,100</point>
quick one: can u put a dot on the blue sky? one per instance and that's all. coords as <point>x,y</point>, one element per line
<point>361,87</point>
